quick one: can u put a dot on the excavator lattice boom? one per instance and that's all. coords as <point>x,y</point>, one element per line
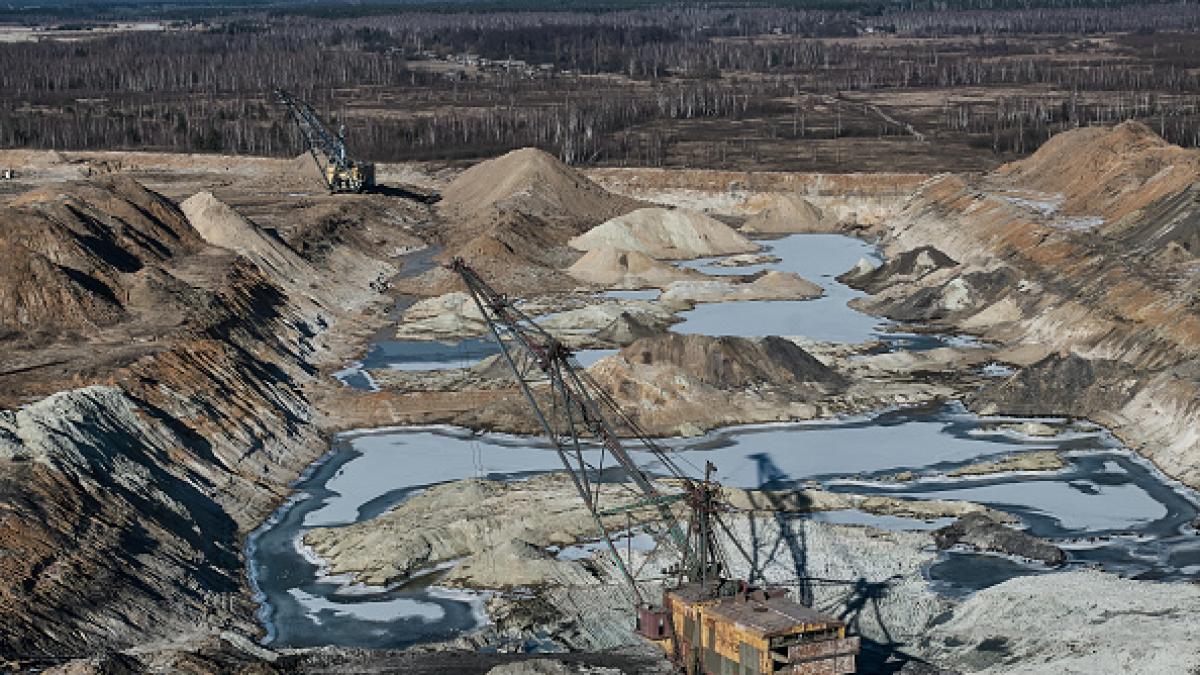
<point>706,622</point>
<point>340,173</point>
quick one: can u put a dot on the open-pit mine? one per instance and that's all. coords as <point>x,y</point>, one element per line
<point>546,419</point>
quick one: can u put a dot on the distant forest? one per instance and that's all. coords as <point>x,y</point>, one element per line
<point>411,85</point>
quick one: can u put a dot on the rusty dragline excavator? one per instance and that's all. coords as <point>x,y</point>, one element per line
<point>340,173</point>
<point>706,622</point>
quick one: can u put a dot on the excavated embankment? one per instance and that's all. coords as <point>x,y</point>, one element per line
<point>1081,261</point>
<point>178,418</point>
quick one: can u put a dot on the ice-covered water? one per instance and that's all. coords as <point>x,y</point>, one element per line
<point>816,257</point>
<point>1107,506</point>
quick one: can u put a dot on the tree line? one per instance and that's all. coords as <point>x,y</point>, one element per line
<point>207,88</point>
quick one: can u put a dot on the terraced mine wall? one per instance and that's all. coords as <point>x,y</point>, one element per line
<point>177,420</point>
<point>849,200</point>
<point>1090,249</point>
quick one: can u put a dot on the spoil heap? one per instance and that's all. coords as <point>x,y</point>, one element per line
<point>516,212</point>
<point>220,225</point>
<point>671,234</point>
<point>785,214</point>
<point>1105,318</point>
<point>140,447</point>
<point>535,183</point>
<point>73,254</point>
<point>1107,172</point>
<point>622,269</point>
<point>683,384</point>
<point>770,285</point>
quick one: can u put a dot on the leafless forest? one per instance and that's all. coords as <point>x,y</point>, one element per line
<point>736,87</point>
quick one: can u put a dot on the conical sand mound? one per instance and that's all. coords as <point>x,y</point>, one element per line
<point>673,234</point>
<point>534,182</point>
<point>615,268</point>
<point>222,226</point>
<point>785,214</point>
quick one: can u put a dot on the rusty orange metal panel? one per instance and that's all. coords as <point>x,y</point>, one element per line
<point>838,665</point>
<point>823,649</point>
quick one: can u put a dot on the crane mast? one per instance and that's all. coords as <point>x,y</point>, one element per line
<point>338,170</point>
<point>575,413</point>
<point>706,623</point>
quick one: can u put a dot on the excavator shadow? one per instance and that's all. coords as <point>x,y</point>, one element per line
<point>404,193</point>
<point>855,601</point>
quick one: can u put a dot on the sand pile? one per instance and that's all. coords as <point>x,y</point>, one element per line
<point>451,315</point>
<point>733,362</point>
<point>222,226</point>
<point>536,183</point>
<point>510,217</point>
<point>674,384</point>
<point>673,234</point>
<point>1108,172</point>
<point>625,329</point>
<point>786,214</point>
<point>616,268</point>
<point>772,285</point>
<point>72,250</point>
<point>587,325</point>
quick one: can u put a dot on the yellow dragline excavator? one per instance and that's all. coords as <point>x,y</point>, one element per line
<point>340,173</point>
<point>707,622</point>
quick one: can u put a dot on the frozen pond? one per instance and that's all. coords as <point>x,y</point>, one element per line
<point>1107,507</point>
<point>816,257</point>
<point>641,294</point>
<point>427,355</point>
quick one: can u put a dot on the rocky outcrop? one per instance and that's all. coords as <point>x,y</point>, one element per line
<point>978,531</point>
<point>908,266</point>
<point>1061,384</point>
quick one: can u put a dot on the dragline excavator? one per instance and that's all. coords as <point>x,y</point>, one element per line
<point>706,622</point>
<point>338,170</point>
